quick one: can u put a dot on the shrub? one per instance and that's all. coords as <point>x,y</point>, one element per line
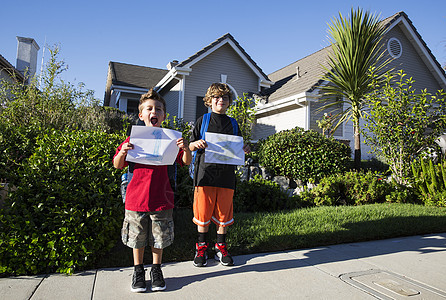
<point>17,143</point>
<point>403,123</point>
<point>303,155</point>
<point>261,195</point>
<point>66,211</point>
<point>184,194</point>
<point>356,188</point>
<point>430,181</point>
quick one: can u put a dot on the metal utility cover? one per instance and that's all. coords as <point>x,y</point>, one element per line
<point>387,285</point>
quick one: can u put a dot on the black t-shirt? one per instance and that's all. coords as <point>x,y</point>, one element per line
<point>217,175</point>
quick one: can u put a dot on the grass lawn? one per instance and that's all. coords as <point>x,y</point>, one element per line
<point>297,229</point>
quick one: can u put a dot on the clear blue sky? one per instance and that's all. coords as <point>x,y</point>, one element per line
<point>152,33</point>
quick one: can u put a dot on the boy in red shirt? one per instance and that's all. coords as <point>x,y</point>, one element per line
<point>149,199</point>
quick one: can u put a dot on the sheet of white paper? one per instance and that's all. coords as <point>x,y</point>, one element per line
<point>153,145</point>
<point>224,149</point>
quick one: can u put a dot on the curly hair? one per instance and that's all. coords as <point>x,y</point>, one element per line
<point>151,94</point>
<point>217,90</point>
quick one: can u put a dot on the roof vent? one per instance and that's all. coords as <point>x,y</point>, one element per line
<point>394,47</point>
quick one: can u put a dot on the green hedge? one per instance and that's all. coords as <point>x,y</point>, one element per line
<point>66,211</point>
<point>303,155</point>
<point>356,188</point>
<point>17,143</point>
<point>261,195</point>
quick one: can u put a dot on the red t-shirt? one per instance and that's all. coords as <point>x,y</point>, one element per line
<point>149,189</point>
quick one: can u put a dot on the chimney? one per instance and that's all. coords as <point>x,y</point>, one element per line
<point>172,64</point>
<point>27,56</point>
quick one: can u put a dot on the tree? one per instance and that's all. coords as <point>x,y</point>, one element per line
<point>402,124</point>
<point>243,111</point>
<point>56,104</point>
<point>356,58</point>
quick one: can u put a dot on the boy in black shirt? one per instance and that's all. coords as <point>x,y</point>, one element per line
<point>214,183</point>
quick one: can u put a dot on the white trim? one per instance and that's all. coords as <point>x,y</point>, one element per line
<point>181,97</point>
<point>307,117</point>
<point>298,99</point>
<point>202,223</point>
<point>263,80</point>
<point>122,88</point>
<point>233,90</point>
<point>172,74</point>
<point>421,47</point>
<point>222,223</point>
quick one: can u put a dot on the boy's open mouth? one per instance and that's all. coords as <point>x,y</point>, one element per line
<point>154,120</point>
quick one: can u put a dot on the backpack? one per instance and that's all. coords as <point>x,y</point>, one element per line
<point>203,129</point>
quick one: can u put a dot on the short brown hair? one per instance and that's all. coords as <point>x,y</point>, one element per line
<point>217,90</point>
<point>151,94</point>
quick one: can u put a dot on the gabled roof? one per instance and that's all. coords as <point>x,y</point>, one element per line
<point>135,76</point>
<point>203,52</point>
<point>184,67</point>
<point>10,69</point>
<point>130,77</point>
<point>403,16</point>
<point>310,68</point>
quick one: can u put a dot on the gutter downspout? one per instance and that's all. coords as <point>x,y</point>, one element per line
<point>181,97</point>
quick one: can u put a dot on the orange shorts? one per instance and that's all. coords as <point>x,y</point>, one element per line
<point>213,203</point>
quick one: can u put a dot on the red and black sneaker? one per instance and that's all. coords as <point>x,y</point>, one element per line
<point>222,254</point>
<point>201,254</point>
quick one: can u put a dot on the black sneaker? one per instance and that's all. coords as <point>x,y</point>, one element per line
<point>157,279</point>
<point>139,281</point>
<point>201,255</point>
<point>222,254</point>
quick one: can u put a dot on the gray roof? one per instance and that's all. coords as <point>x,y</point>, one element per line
<point>10,69</point>
<point>135,76</point>
<point>131,76</point>
<point>287,82</point>
<point>286,79</point>
<point>216,42</point>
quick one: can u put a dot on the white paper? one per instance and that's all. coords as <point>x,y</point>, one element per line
<point>153,145</point>
<point>224,149</point>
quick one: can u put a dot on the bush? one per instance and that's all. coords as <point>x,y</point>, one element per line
<point>17,143</point>
<point>429,180</point>
<point>184,194</point>
<point>66,211</point>
<point>356,188</point>
<point>303,155</point>
<point>261,195</point>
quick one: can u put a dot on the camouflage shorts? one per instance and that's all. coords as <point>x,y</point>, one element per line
<point>143,228</point>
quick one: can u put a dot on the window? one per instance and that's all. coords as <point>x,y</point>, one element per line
<point>132,106</point>
<point>201,109</point>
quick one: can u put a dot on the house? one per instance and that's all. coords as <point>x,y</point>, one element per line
<point>26,63</point>
<point>184,84</point>
<point>293,99</point>
<point>289,97</point>
<point>126,83</point>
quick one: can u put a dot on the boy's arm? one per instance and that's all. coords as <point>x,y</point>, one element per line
<point>187,155</point>
<point>119,159</point>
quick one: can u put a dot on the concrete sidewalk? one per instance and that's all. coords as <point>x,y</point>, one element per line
<point>401,268</point>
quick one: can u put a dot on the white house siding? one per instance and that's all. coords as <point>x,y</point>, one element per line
<point>411,63</point>
<point>269,124</point>
<point>209,70</point>
<point>316,115</point>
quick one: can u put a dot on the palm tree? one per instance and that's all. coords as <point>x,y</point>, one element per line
<point>355,61</point>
